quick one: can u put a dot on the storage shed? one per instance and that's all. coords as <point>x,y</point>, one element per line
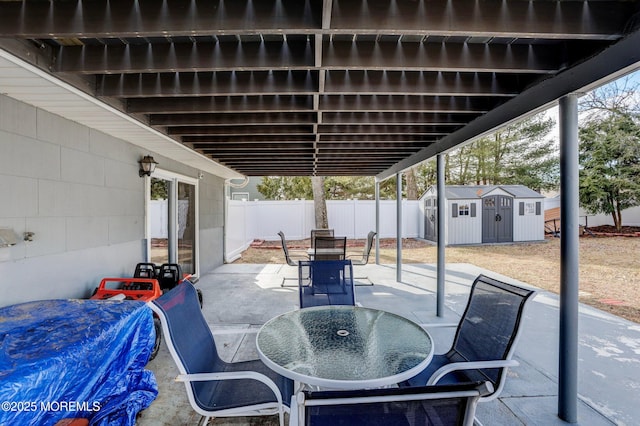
<point>477,214</point>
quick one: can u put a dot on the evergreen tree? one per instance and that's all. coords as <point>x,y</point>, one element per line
<point>521,153</point>
<point>285,187</point>
<point>610,165</point>
<point>336,188</point>
<point>159,189</point>
<point>518,154</point>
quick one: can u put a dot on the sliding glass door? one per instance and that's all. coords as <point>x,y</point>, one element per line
<point>186,237</point>
<point>158,213</point>
<point>172,220</point>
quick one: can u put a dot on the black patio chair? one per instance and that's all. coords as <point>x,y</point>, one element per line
<point>485,339</point>
<point>292,258</point>
<point>320,233</point>
<point>358,260</point>
<point>429,405</point>
<point>330,248</point>
<point>215,387</point>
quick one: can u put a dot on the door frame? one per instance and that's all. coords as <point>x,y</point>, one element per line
<point>497,209</point>
<point>429,225</point>
<point>174,179</point>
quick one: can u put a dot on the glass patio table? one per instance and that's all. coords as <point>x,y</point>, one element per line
<point>344,347</point>
<point>327,251</point>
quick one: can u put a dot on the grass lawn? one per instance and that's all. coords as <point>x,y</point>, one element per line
<point>609,266</point>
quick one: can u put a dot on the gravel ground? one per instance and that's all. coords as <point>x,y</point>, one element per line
<point>609,266</point>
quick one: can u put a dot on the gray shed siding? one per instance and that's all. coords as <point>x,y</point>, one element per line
<point>464,215</point>
<point>464,228</point>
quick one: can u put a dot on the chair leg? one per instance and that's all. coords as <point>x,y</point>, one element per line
<point>296,279</point>
<point>204,421</point>
<point>289,279</point>
<point>362,279</point>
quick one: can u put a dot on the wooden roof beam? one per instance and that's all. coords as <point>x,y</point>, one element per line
<point>185,57</point>
<point>150,18</point>
<point>300,55</point>
<point>222,104</point>
<point>591,20</point>
<point>219,83</point>
<point>239,130</point>
<point>226,119</point>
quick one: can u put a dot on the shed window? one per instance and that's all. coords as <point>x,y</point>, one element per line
<point>529,209</point>
<point>463,210</point>
<point>241,196</point>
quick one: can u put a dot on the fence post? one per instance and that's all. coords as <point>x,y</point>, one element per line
<point>399,227</point>
<point>569,261</point>
<point>441,199</point>
<point>377,198</point>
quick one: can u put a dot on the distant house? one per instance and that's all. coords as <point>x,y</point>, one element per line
<point>477,214</point>
<point>248,192</point>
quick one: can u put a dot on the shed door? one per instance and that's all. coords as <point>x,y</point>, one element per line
<point>497,219</point>
<point>430,219</point>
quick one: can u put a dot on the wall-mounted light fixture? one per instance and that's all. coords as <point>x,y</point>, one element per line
<point>147,166</point>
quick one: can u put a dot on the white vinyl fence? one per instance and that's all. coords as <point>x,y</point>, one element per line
<point>261,220</point>
<point>250,220</point>
<point>630,217</point>
<point>159,215</point>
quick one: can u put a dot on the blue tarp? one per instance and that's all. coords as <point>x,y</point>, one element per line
<point>75,359</point>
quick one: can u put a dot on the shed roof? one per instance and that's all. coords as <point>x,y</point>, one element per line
<point>464,192</point>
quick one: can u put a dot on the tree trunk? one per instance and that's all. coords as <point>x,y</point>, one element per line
<point>447,176</point>
<point>412,184</point>
<point>319,203</point>
<point>617,217</point>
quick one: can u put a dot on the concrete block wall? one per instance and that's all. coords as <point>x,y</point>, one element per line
<point>79,192</point>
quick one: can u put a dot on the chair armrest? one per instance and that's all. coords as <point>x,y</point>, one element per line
<point>438,325</point>
<point>298,257</point>
<point>472,365</point>
<point>223,331</point>
<point>236,375</point>
<point>299,252</point>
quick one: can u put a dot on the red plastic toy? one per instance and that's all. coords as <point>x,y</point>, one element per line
<point>149,281</point>
<point>143,289</point>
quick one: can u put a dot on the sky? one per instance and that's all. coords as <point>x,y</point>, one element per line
<point>633,80</point>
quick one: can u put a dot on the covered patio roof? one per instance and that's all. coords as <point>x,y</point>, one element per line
<point>324,87</point>
<point>315,87</point>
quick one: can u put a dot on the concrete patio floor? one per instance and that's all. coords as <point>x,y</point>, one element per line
<point>246,296</point>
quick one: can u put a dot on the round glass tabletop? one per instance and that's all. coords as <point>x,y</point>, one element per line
<point>344,347</point>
